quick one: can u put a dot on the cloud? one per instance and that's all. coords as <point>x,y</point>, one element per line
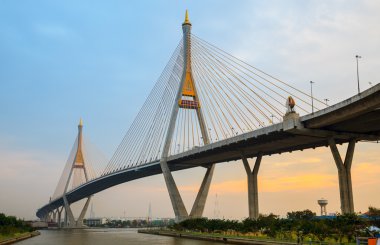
<point>299,182</point>
<point>366,174</point>
<point>289,183</point>
<point>314,41</point>
<point>54,31</point>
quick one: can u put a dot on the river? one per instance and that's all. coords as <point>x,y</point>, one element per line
<point>105,236</point>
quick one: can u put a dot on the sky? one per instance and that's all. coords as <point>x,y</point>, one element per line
<point>62,60</point>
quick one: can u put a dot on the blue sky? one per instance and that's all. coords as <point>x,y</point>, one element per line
<point>62,60</point>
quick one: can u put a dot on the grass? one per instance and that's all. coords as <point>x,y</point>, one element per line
<point>4,237</point>
<point>257,236</point>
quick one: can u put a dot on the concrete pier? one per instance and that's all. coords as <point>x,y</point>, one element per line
<point>200,201</point>
<point>344,174</point>
<point>253,194</point>
<point>176,199</point>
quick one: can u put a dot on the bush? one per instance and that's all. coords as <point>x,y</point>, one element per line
<point>10,225</point>
<point>298,224</point>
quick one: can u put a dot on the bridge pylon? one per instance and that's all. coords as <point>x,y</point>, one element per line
<point>79,164</point>
<point>344,175</point>
<point>253,192</point>
<point>186,99</point>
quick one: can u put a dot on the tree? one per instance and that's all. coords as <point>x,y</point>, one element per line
<point>348,225</point>
<point>301,215</point>
<point>269,224</point>
<point>321,229</point>
<point>373,212</point>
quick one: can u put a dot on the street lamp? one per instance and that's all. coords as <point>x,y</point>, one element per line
<point>312,98</point>
<point>209,130</point>
<point>326,100</point>
<point>357,70</point>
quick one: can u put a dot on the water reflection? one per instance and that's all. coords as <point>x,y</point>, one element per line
<point>105,236</point>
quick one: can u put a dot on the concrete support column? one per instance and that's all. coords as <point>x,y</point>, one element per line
<point>65,221</point>
<point>200,200</point>
<point>253,194</point>
<point>50,216</point>
<point>178,205</point>
<point>69,216</point>
<point>55,216</point>
<point>344,174</point>
<point>46,217</point>
<point>59,216</point>
<point>79,222</point>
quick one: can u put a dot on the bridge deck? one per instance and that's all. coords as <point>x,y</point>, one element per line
<point>357,117</point>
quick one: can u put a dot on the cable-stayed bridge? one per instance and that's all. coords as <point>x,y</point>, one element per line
<point>209,107</point>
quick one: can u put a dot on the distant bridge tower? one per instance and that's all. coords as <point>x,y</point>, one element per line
<point>186,99</point>
<point>79,165</point>
<point>323,203</point>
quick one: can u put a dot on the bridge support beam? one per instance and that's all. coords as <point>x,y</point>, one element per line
<point>55,216</point>
<point>176,199</point>
<point>344,174</point>
<point>253,194</point>
<point>83,213</point>
<point>49,217</point>
<point>70,221</point>
<point>200,200</point>
<point>69,217</point>
<point>46,217</point>
<point>59,221</point>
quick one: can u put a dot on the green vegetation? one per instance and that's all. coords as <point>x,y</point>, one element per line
<point>298,226</point>
<point>11,227</point>
<point>136,223</point>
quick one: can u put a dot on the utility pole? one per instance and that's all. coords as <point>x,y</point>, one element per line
<point>357,70</point>
<point>312,98</point>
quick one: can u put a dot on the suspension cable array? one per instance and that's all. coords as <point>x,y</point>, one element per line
<point>234,97</point>
<point>143,141</point>
<point>94,162</point>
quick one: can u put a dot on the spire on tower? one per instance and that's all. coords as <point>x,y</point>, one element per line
<point>186,22</point>
<point>79,160</point>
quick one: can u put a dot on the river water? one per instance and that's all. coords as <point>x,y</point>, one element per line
<point>105,236</point>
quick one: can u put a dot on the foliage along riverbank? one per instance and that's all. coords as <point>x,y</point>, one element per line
<point>16,237</point>
<point>11,227</point>
<point>297,227</point>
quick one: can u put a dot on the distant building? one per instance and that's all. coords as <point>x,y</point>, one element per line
<point>37,224</point>
<point>95,221</point>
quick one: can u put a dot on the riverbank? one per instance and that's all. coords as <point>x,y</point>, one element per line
<point>18,237</point>
<point>213,238</point>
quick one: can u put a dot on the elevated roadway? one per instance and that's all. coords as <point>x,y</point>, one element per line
<point>354,119</point>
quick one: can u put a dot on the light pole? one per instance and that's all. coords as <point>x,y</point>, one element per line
<point>209,131</point>
<point>326,100</point>
<point>312,98</point>
<point>357,70</point>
